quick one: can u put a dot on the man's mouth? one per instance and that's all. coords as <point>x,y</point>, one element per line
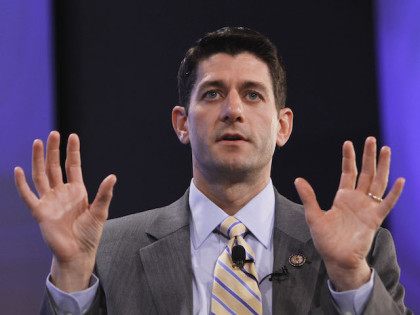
<point>232,137</point>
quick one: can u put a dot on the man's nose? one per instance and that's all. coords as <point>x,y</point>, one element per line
<point>232,108</point>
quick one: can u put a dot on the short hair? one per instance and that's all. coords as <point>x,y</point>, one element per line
<point>233,41</point>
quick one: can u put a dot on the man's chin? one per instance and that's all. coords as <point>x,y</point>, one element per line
<point>231,167</point>
<point>234,168</point>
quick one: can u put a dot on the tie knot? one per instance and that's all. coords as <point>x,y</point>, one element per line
<point>231,227</point>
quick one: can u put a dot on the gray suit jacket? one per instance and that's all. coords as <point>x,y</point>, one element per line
<point>144,266</point>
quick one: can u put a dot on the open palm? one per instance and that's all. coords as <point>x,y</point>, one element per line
<point>343,235</point>
<point>70,226</point>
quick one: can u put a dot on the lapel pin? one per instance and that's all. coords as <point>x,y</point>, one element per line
<point>297,260</point>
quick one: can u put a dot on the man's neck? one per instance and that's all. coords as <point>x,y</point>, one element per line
<point>231,197</point>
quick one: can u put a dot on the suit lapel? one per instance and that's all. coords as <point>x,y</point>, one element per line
<point>167,261</point>
<point>294,294</point>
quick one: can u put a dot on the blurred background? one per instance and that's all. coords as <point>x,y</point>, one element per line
<point>107,70</point>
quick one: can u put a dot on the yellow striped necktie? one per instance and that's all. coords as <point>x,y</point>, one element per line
<point>235,290</point>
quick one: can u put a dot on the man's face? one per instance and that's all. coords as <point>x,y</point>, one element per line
<point>233,124</point>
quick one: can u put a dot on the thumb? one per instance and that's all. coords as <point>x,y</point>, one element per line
<point>308,198</point>
<point>103,198</point>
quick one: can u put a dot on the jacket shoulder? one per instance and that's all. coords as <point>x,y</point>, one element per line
<point>138,225</point>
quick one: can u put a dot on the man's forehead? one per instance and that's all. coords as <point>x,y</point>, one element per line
<point>225,67</point>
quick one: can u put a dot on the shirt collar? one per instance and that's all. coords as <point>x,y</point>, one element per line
<point>257,215</point>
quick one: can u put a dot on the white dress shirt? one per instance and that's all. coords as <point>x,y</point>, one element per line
<point>258,216</point>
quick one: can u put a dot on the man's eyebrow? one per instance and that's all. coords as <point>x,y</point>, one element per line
<point>212,83</point>
<point>254,85</point>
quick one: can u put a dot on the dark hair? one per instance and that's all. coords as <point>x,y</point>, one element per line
<point>232,40</point>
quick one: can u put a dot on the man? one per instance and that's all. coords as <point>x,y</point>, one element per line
<point>183,258</point>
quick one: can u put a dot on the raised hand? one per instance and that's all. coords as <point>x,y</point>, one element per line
<point>70,226</point>
<point>343,235</point>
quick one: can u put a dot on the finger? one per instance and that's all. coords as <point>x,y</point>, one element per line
<point>307,195</point>
<point>348,167</point>
<point>73,162</point>
<point>368,165</point>
<point>53,167</point>
<point>24,191</point>
<point>391,199</point>
<point>39,177</point>
<point>381,179</point>
<point>103,198</point>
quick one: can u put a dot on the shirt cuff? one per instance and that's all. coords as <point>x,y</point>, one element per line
<point>352,302</point>
<point>75,302</point>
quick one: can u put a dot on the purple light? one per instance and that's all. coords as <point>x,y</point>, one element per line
<point>398,43</point>
<point>26,112</point>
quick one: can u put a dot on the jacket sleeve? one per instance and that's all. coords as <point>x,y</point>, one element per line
<point>388,293</point>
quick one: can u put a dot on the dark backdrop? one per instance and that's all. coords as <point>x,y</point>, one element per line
<point>116,85</point>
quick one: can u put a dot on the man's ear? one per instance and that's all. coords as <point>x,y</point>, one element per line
<point>180,123</point>
<point>285,126</point>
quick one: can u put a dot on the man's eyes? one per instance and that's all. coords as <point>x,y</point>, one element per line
<point>253,96</point>
<point>211,95</point>
<point>248,95</point>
